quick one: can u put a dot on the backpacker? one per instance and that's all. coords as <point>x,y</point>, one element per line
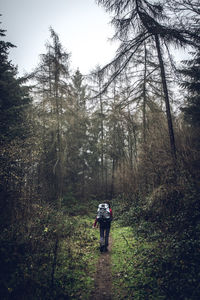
<point>103,213</point>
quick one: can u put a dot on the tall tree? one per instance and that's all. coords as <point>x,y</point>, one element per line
<point>137,21</point>
<point>52,87</point>
<point>77,123</point>
<point>100,116</point>
<point>191,81</point>
<point>14,130</point>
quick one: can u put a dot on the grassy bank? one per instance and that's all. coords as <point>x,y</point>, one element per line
<point>56,260</point>
<point>133,273</point>
<point>77,260</point>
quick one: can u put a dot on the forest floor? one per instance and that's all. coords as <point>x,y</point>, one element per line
<point>120,271</point>
<point>141,264</point>
<point>124,272</point>
<point>103,276</point>
<point>135,267</point>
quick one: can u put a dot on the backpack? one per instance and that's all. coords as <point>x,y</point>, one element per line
<point>103,213</point>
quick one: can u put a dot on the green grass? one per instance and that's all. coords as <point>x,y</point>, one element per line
<point>77,260</point>
<point>133,274</point>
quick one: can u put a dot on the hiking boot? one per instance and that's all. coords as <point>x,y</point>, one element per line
<point>101,248</point>
<point>105,249</point>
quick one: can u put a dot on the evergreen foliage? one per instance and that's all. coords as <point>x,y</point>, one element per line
<point>13,97</point>
<point>14,131</point>
<point>191,74</point>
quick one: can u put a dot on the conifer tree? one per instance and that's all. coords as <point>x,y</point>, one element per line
<point>13,97</point>
<point>77,122</point>
<point>14,130</point>
<point>139,21</point>
<point>52,89</point>
<point>191,75</point>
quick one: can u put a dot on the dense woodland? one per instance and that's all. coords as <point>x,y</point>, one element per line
<point>127,132</point>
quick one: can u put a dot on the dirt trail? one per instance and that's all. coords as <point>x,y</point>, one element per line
<point>103,284</point>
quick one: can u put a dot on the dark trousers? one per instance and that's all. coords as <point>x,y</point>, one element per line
<point>104,233</point>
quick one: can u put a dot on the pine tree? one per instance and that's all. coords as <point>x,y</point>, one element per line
<point>191,73</point>
<point>77,122</point>
<point>52,90</point>
<point>139,21</point>
<point>13,97</point>
<point>14,130</point>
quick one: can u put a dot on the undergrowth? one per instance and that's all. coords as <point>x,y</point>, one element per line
<point>133,272</point>
<point>54,258</point>
<point>77,260</point>
<point>158,252</point>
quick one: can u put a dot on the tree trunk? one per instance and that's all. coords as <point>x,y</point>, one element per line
<point>166,97</point>
<point>113,178</point>
<point>144,97</point>
<point>102,140</point>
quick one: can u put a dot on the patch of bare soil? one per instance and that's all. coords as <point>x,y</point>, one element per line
<point>103,278</point>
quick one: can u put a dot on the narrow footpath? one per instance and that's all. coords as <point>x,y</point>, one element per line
<point>103,277</point>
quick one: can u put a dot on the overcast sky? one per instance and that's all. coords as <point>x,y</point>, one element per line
<point>83,28</point>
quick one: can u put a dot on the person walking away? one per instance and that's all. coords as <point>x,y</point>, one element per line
<point>104,218</point>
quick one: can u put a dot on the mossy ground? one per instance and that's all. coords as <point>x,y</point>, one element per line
<point>133,274</point>
<point>76,275</point>
<point>133,277</point>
